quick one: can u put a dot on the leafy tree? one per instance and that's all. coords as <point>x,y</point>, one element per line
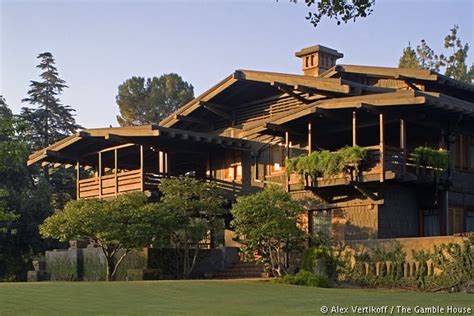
<point>266,223</point>
<point>116,226</point>
<point>339,10</point>
<point>147,101</point>
<point>23,200</point>
<point>408,59</point>
<point>194,208</point>
<point>12,153</point>
<point>50,120</point>
<point>456,64</point>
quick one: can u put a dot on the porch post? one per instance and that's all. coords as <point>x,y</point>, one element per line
<point>78,176</point>
<point>100,175</point>
<point>116,171</point>
<point>165,155</point>
<point>354,128</point>
<point>382,148</point>
<point>310,136</point>
<point>141,168</point>
<point>287,155</point>
<point>403,143</point>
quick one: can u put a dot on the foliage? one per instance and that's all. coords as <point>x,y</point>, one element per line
<point>355,272</point>
<point>51,120</point>
<point>326,163</point>
<point>147,101</point>
<point>339,10</point>
<point>305,278</point>
<point>429,157</point>
<point>61,268</point>
<point>193,209</point>
<point>454,63</point>
<point>408,59</point>
<point>453,266</point>
<point>314,253</point>
<point>266,224</point>
<point>455,261</point>
<point>124,223</point>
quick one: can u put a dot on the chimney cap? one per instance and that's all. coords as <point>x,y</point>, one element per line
<point>318,48</point>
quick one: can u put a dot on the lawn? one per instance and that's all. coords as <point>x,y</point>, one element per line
<point>236,297</point>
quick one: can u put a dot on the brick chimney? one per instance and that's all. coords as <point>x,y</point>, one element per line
<point>317,59</point>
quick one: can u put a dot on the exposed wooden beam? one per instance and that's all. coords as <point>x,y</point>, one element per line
<point>368,107</point>
<point>282,129</point>
<point>289,90</point>
<point>312,90</point>
<point>218,106</point>
<point>191,119</point>
<point>218,112</point>
<point>371,196</point>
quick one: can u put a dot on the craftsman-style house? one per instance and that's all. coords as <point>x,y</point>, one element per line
<point>240,132</point>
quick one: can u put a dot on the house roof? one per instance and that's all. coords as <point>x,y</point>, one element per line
<point>250,83</point>
<point>399,73</point>
<point>79,146</point>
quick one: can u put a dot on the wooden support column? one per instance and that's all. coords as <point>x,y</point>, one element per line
<point>287,155</point>
<point>142,174</point>
<point>382,148</point>
<point>354,128</point>
<point>100,175</point>
<point>116,171</point>
<point>310,138</point>
<point>161,162</point>
<point>166,163</point>
<point>403,142</point>
<point>78,178</point>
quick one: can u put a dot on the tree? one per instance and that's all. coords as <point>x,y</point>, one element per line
<point>147,101</point>
<point>12,154</point>
<point>426,57</point>
<point>50,120</point>
<point>116,226</point>
<point>340,10</point>
<point>456,64</point>
<point>194,208</point>
<point>408,59</point>
<point>266,224</point>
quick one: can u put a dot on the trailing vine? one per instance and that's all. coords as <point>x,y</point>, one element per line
<point>425,157</point>
<point>327,163</point>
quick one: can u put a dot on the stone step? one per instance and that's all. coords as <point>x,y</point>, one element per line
<point>240,270</point>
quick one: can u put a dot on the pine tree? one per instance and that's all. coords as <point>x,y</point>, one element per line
<point>408,59</point>
<point>49,121</point>
<point>456,64</point>
<point>427,59</point>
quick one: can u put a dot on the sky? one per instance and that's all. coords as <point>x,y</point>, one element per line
<point>99,44</point>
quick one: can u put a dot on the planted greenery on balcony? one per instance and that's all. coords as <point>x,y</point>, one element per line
<point>429,158</point>
<point>327,163</point>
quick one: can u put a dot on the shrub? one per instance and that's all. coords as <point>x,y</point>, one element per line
<point>305,278</point>
<point>311,254</point>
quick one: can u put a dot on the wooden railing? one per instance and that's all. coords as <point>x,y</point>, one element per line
<point>380,164</point>
<point>111,185</point>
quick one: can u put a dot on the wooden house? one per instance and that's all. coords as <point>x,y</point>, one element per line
<point>240,132</point>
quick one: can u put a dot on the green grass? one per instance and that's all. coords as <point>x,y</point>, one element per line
<point>199,298</point>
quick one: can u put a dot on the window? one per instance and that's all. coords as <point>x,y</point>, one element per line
<point>277,159</point>
<point>470,221</point>
<point>312,60</point>
<point>431,223</point>
<point>307,61</point>
<point>322,224</point>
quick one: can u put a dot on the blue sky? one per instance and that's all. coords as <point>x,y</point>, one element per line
<point>99,44</point>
